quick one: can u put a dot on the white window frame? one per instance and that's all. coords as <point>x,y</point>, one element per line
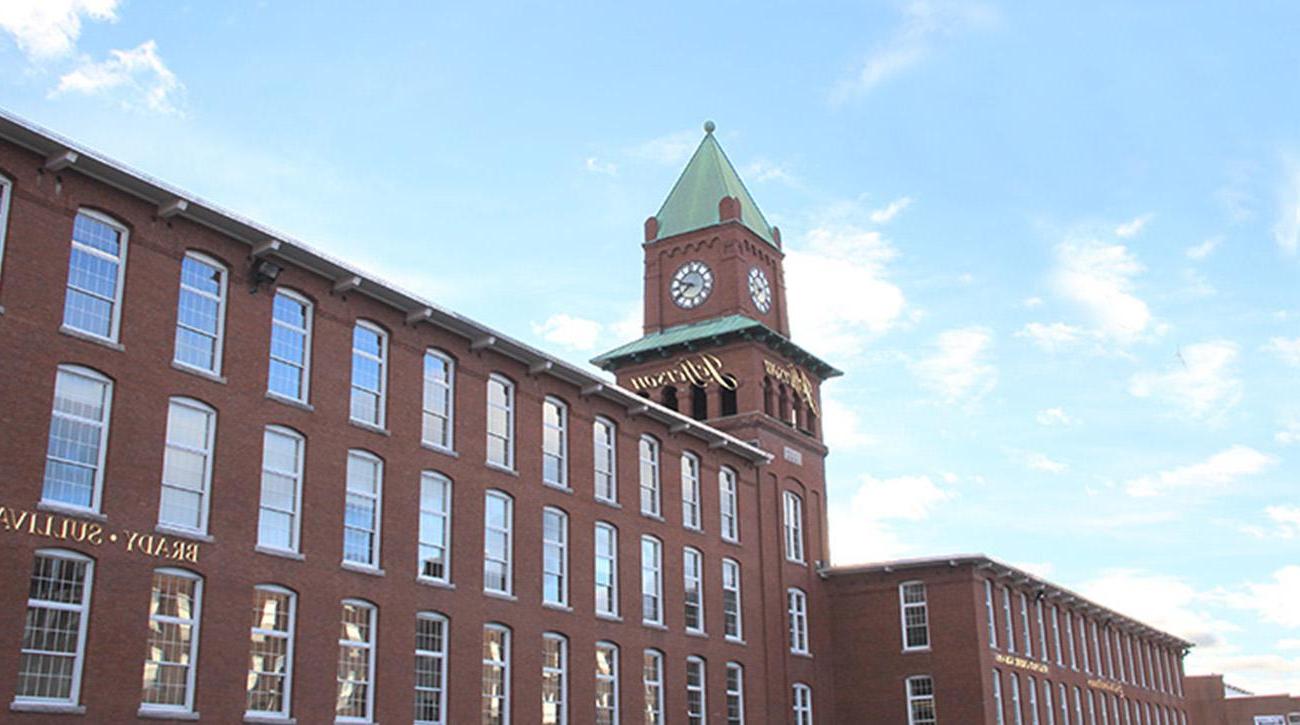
<point>443,512</point>
<point>508,436</point>
<point>503,664</point>
<point>438,658</point>
<point>1043,653</point>
<point>1010,619</point>
<point>1026,632</point>
<point>1048,705</point>
<point>735,694</point>
<point>650,476</point>
<point>205,487</point>
<point>561,428</point>
<point>562,546</point>
<point>295,527</point>
<point>612,560</point>
<point>802,697</point>
<point>702,716</point>
<point>304,391</point>
<point>797,609</point>
<point>1017,710</point>
<point>115,321</point>
<point>1110,659</point>
<point>1056,634</point>
<point>191,664</point>
<point>1092,708</point>
<point>1064,702</point>
<point>913,699</point>
<point>82,609</point>
<point>652,663</point>
<point>219,336</point>
<point>1096,646</point>
<point>997,697</point>
<point>448,413</point>
<point>286,678</point>
<point>692,505</point>
<point>1031,688</point>
<point>561,674</point>
<point>6,194</point>
<point>652,579</point>
<point>381,395</point>
<point>1069,636</point>
<point>96,493</point>
<point>369,645</point>
<point>731,585</point>
<point>375,499</point>
<point>605,463</point>
<point>793,527</point>
<point>693,574</point>
<point>1083,640</point>
<point>988,608</point>
<point>729,504</point>
<point>904,606</point>
<point>611,679</point>
<point>509,532</point>
<point>1078,706</point>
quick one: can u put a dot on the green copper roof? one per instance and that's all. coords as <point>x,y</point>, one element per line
<point>693,202</point>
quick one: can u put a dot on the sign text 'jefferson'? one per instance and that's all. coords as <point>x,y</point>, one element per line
<point>700,372</point>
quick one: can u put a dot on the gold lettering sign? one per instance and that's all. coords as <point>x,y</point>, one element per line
<point>1021,663</point>
<point>1107,685</point>
<point>700,372</point>
<point>794,377</point>
<point>64,528</point>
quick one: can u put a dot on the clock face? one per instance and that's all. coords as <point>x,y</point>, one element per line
<point>691,284</point>
<point>759,290</point>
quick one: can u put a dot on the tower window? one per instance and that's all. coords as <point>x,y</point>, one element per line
<point>669,398</point>
<point>699,403</point>
<point>728,402</point>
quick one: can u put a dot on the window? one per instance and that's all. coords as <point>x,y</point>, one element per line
<point>356,672</point>
<point>916,626</point>
<point>652,582</point>
<point>1031,689</point>
<point>690,491</point>
<point>430,669</point>
<point>1083,644</point>
<point>289,372</point>
<point>201,313</point>
<point>1017,713</point>
<point>1092,708</point>
<point>270,655</point>
<point>282,455</point>
<point>361,516</point>
<point>604,436</point>
<point>96,268</point>
<point>1065,704</point>
<point>74,460</point>
<point>498,535</point>
<point>735,694</point>
<point>501,422</point>
<point>693,588</point>
<point>793,527</point>
<point>920,701</point>
<point>1096,647</point>
<point>606,569</point>
<point>555,677</point>
<point>1009,618</point>
<point>1056,634</point>
<point>1110,660</point>
<point>797,604</point>
<point>1042,630</point>
<point>1078,707</point>
<point>652,680</point>
<point>435,527</point>
<point>606,683</point>
<point>1069,636</point>
<point>439,399</point>
<point>1047,703</point>
<point>803,704</point>
<point>649,449</point>
<point>6,191</point>
<point>1025,633</point>
<point>696,708</point>
<point>54,634</point>
<point>728,504</point>
<point>555,442</point>
<point>555,556</point>
<point>496,675</point>
<point>173,641</point>
<point>988,609</point>
<point>369,373</point>
<point>732,622</point>
<point>997,697</point>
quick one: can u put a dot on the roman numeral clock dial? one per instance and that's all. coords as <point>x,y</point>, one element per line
<point>691,285</point>
<point>760,291</point>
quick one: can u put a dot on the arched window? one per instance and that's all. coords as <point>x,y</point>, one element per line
<point>606,683</point>
<point>696,707</point>
<point>282,475</point>
<point>369,373</point>
<point>501,421</point>
<point>555,442</point>
<point>172,648</point>
<point>555,679</point>
<point>431,634</point>
<point>96,274</point>
<point>797,604</point>
<point>699,403</point>
<point>728,401</point>
<point>187,465</point>
<point>74,460</point>
<point>652,682</point>
<point>555,556</point>
<point>6,191</point>
<point>691,496</point>
<point>49,667</point>
<point>438,420</point>
<point>363,512</point>
<point>435,527</point>
<point>289,370</point>
<point>668,398</point>
<point>356,670</point>
<point>649,452</point>
<point>496,674</point>
<point>498,542</point>
<point>201,313</point>
<point>604,442</point>
<point>270,660</point>
<point>606,570</point>
<point>803,704</point>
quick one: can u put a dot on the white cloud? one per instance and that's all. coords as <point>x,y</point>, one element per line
<point>1053,336</point>
<point>1287,350</point>
<point>1273,600</point>
<point>596,166</point>
<point>1037,461</point>
<point>1284,524</point>
<point>137,77</point>
<point>1286,230</point>
<point>574,332</point>
<point>1055,416</point>
<point>1290,433</point>
<point>892,209</point>
<point>1219,471</point>
<point>1162,601</point>
<point>1204,249</point>
<point>1203,384</point>
<point>49,29</point>
<point>1099,278</point>
<point>763,170</point>
<point>862,531</point>
<point>1133,227</point>
<point>839,291</point>
<point>669,150</point>
<point>1032,302</point>
<point>958,368</point>
<point>843,426</point>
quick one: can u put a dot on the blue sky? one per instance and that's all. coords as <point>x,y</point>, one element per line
<point>1054,249</point>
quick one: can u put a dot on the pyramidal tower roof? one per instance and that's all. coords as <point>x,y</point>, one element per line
<point>693,202</point>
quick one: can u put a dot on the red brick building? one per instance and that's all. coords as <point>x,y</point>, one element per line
<point>1211,701</point>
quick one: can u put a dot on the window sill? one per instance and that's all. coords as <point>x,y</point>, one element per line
<point>500,595</point>
<point>697,635</point>
<point>654,625</point>
<point>656,517</point>
<point>361,568</point>
<point>183,533</point>
<point>693,529</point>
<point>282,553</point>
<point>87,337</point>
<point>558,487</point>
<point>69,510</point>
<point>609,617</point>
<point>732,542</point>
<point>158,713</point>
<point>913,650</point>
<point>260,719</point>
<point>434,583</point>
<point>501,468</point>
<point>292,404</point>
<point>370,427</point>
<point>796,562</point>
<point>53,708</point>
<point>200,372</point>
<point>737,640</point>
<point>807,655</point>
<point>608,502</point>
<point>439,449</point>
<point>557,607</point>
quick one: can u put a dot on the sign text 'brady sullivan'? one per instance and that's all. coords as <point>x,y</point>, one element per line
<point>64,528</point>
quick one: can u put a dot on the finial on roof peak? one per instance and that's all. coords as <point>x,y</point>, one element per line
<point>709,126</point>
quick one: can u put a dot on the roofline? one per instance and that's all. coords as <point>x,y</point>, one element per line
<point>62,153</point>
<point>1006,571</point>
